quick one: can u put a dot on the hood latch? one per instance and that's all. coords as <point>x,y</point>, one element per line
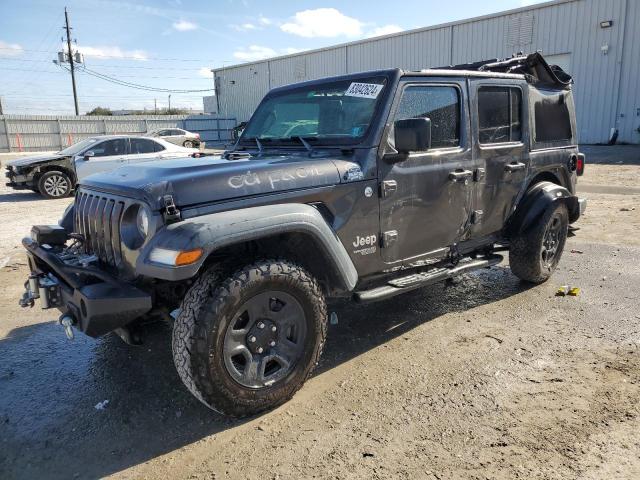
<point>171,212</point>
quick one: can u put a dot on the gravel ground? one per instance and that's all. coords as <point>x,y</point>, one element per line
<point>486,378</point>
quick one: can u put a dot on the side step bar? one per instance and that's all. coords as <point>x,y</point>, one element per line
<point>417,280</point>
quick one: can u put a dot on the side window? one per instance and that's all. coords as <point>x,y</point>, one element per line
<point>175,132</point>
<point>499,114</point>
<point>163,133</point>
<point>158,147</point>
<point>108,148</point>
<point>441,105</point>
<point>143,145</point>
<point>553,122</point>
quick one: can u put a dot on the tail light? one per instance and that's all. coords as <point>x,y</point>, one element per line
<point>580,164</point>
<point>198,136</point>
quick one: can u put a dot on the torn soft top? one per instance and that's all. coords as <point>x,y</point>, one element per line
<point>533,66</point>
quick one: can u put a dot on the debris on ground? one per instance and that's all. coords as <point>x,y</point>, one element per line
<point>101,405</point>
<point>574,292</point>
<point>562,291</point>
<point>573,250</point>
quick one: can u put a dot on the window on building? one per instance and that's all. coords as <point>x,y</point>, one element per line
<point>499,114</point>
<point>553,122</point>
<point>441,105</point>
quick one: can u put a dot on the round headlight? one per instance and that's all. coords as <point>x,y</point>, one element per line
<point>142,221</point>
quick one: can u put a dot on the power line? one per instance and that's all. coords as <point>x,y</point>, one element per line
<point>125,57</point>
<point>138,86</point>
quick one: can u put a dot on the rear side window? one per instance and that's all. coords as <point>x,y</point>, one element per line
<point>441,105</point>
<point>499,114</point>
<point>143,145</point>
<point>553,122</point>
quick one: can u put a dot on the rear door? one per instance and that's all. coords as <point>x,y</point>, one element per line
<point>107,156</point>
<point>426,199</point>
<point>144,150</point>
<point>500,139</point>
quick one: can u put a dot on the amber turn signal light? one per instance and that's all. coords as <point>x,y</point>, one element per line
<point>187,257</point>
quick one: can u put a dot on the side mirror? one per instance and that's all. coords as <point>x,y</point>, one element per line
<point>89,154</point>
<point>412,135</point>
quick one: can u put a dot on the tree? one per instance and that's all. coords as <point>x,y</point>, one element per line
<point>100,111</point>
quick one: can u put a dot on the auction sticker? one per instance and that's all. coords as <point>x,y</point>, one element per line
<point>363,90</point>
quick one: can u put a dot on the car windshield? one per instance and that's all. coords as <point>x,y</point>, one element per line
<point>78,147</point>
<point>330,113</point>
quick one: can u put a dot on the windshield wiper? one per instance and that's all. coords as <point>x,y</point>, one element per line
<point>306,144</point>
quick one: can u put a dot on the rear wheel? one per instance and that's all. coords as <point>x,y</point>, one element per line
<point>188,144</point>
<point>248,343</point>
<point>534,255</point>
<point>55,184</point>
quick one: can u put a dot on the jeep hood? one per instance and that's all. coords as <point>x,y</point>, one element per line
<point>35,160</point>
<point>192,181</point>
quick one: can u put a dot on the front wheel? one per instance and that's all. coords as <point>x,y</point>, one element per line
<point>55,184</point>
<point>248,342</point>
<point>534,254</point>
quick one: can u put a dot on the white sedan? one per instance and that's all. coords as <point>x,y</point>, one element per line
<point>100,154</point>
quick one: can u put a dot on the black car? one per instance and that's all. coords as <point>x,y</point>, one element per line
<point>364,186</point>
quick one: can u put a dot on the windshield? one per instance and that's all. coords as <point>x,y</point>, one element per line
<point>78,147</point>
<point>333,112</point>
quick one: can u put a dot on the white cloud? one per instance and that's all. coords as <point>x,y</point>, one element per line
<point>323,22</point>
<point>205,72</point>
<point>264,20</point>
<point>254,52</point>
<point>259,52</point>
<point>10,49</point>
<point>113,52</point>
<point>384,30</point>
<point>244,27</point>
<point>184,26</point>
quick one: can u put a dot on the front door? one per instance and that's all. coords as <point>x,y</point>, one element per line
<point>426,199</point>
<point>107,155</point>
<point>499,137</point>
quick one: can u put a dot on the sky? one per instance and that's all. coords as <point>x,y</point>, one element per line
<point>173,44</point>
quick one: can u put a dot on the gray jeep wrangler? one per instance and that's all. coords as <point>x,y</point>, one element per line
<point>362,186</point>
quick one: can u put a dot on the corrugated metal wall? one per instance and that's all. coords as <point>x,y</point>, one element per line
<point>43,132</point>
<point>606,81</point>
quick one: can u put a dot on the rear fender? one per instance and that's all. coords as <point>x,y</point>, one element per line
<point>215,231</point>
<point>538,199</point>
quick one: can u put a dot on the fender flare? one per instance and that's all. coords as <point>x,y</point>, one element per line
<point>536,201</point>
<point>214,231</point>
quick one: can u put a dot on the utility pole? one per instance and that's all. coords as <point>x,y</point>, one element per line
<point>155,107</point>
<point>169,112</point>
<point>73,75</point>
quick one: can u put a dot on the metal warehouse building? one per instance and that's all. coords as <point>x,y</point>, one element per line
<point>596,41</point>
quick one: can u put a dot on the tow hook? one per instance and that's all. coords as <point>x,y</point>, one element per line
<point>67,322</point>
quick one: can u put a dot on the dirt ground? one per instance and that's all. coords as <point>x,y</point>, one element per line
<point>487,378</point>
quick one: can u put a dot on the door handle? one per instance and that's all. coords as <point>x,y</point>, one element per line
<point>459,175</point>
<point>514,167</point>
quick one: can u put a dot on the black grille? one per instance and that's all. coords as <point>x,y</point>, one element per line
<point>97,219</point>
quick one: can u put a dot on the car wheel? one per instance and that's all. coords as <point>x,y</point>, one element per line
<point>55,184</point>
<point>188,144</point>
<point>534,255</point>
<point>248,342</point>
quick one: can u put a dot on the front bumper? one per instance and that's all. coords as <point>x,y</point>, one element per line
<point>18,182</point>
<point>97,302</point>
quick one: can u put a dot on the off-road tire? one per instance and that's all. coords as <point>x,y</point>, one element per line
<point>55,184</point>
<point>525,254</point>
<point>199,331</point>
